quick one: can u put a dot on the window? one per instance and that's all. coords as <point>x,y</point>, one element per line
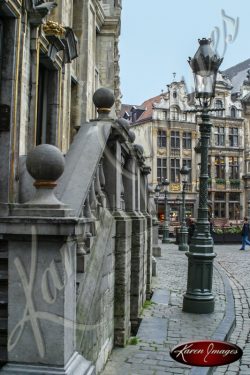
<point>175,139</point>
<point>161,138</point>
<point>219,135</point>
<point>233,112</point>
<point>218,105</point>
<point>234,206</point>
<point>174,113</point>
<point>188,163</point>
<point>187,140</point>
<point>220,167</point>
<point>233,137</point>
<point>220,204</point>
<point>47,105</point>
<point>161,168</point>
<point>175,170</point>
<point>174,94</point>
<point>233,167</point>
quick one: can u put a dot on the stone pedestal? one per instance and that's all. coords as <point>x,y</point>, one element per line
<point>42,297</point>
<point>156,247</point>
<point>42,276</point>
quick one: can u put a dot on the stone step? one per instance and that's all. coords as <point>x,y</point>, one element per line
<point>3,255</point>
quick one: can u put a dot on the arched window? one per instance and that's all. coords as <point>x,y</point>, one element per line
<point>218,105</point>
<point>174,113</point>
<point>233,112</point>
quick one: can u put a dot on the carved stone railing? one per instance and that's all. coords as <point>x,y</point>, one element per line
<point>84,242</point>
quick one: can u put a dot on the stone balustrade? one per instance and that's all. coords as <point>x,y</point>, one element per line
<point>79,250</point>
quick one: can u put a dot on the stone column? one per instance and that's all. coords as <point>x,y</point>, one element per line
<point>113,174</point>
<point>138,250</point>
<point>156,249</point>
<point>42,277</point>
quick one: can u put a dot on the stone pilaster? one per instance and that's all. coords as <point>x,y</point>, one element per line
<point>122,278</point>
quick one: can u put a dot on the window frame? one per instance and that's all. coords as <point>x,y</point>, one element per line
<point>219,136</point>
<point>161,168</point>
<point>174,170</point>
<point>161,138</point>
<point>175,139</point>
<point>234,137</point>
<point>187,140</point>
<point>219,166</point>
<point>234,171</point>
<point>218,105</point>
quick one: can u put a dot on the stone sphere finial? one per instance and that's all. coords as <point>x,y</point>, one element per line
<point>131,136</point>
<point>139,148</point>
<point>103,99</point>
<point>123,123</point>
<point>45,164</point>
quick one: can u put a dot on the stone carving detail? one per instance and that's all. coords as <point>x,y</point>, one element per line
<point>54,28</point>
<point>38,10</point>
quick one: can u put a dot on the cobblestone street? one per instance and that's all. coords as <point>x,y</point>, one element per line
<point>164,325</point>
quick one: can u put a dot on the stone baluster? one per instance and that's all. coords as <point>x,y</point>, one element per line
<point>98,188</point>
<point>92,198</point>
<point>86,209</point>
<point>102,184</point>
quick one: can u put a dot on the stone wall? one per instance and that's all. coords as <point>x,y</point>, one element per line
<point>95,304</point>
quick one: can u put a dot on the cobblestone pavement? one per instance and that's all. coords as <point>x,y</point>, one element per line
<point>236,265</point>
<point>164,325</point>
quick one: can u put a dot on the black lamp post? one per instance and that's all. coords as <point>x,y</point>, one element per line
<point>165,238</point>
<point>199,298</point>
<point>183,242</point>
<point>157,194</point>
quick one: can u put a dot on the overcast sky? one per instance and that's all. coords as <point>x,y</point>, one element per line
<point>158,36</point>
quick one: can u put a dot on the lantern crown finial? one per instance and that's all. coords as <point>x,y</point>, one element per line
<point>205,65</point>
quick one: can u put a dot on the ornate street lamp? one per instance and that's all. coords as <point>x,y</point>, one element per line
<point>183,234</point>
<point>199,298</point>
<point>165,238</point>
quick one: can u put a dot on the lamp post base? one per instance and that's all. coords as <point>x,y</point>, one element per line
<point>183,239</point>
<point>195,305</point>
<point>165,238</point>
<point>199,298</point>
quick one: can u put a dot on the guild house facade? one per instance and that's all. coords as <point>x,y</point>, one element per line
<point>168,130</point>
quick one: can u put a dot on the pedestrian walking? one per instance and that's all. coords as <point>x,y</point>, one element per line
<point>244,234</point>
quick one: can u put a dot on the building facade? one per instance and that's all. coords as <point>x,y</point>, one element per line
<point>53,56</point>
<point>168,130</point>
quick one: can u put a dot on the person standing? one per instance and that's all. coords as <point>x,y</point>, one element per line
<point>244,234</point>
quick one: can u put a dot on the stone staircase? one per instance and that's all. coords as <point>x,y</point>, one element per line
<point>3,301</point>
